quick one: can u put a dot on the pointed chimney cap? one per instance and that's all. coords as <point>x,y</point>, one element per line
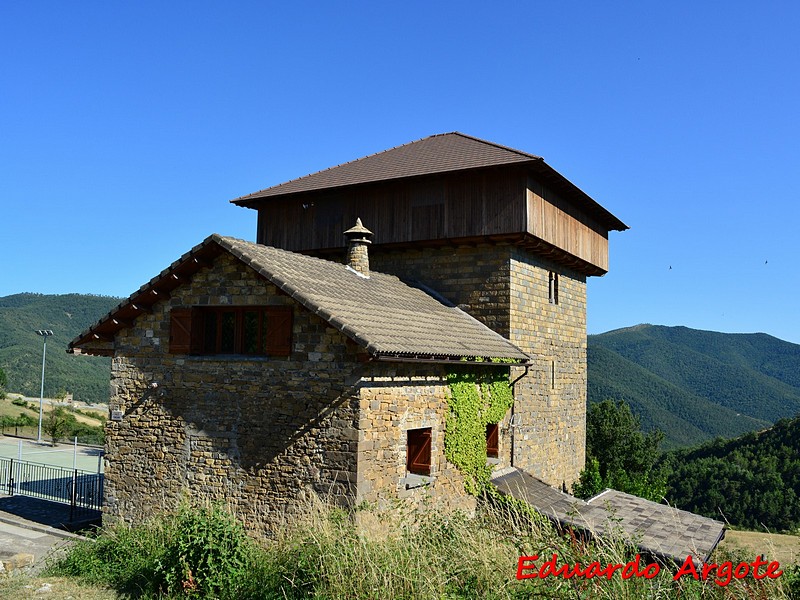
<point>359,233</point>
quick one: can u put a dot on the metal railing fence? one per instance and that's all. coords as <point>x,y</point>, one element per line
<point>82,490</point>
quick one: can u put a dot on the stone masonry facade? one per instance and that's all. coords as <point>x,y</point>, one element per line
<point>261,434</point>
<point>550,402</point>
<point>256,433</point>
<point>394,399</point>
<point>508,289</point>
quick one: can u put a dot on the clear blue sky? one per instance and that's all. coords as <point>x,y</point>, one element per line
<point>125,128</point>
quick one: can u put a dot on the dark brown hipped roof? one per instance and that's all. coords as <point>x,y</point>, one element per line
<point>442,153</point>
<point>386,317</point>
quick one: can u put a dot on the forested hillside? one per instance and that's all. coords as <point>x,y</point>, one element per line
<point>752,481</point>
<point>66,315</point>
<point>696,385</point>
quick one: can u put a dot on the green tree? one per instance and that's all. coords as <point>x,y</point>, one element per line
<point>3,384</point>
<point>590,482</point>
<point>619,455</point>
<point>56,426</point>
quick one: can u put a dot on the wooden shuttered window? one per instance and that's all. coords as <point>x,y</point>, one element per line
<point>185,333</point>
<point>492,440</point>
<point>254,330</point>
<point>418,456</point>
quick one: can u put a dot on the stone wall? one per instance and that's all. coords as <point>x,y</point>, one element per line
<point>507,288</point>
<point>550,406</point>
<point>257,433</point>
<point>394,399</point>
<point>260,434</point>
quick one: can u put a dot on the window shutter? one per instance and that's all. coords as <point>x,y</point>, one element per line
<point>278,339</point>
<point>419,451</point>
<point>180,330</point>
<point>492,440</point>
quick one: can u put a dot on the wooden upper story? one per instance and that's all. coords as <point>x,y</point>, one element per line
<point>446,189</point>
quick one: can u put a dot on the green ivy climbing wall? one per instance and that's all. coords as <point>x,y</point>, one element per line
<point>477,398</point>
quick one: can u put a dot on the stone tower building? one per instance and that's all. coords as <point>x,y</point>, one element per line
<point>260,373</point>
<point>496,231</point>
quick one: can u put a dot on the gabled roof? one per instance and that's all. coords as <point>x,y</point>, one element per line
<point>441,153</point>
<point>386,317</point>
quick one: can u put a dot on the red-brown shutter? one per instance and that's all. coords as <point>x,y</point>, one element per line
<point>278,339</point>
<point>184,331</point>
<point>492,440</point>
<point>419,451</point>
<point>180,330</point>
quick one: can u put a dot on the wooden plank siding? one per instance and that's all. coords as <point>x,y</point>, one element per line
<point>469,205</point>
<point>560,224</point>
<point>452,206</point>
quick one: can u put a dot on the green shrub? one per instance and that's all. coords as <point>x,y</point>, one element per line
<point>122,557</point>
<point>206,555</point>
<point>201,552</point>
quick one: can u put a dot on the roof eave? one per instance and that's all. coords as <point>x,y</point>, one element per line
<point>537,165</point>
<point>272,193</point>
<point>451,360</point>
<point>141,301</point>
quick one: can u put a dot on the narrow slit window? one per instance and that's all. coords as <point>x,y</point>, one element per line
<point>553,287</point>
<point>553,374</point>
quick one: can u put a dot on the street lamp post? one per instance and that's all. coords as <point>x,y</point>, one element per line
<point>45,333</point>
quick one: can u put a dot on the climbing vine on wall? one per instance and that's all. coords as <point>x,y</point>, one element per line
<point>477,398</point>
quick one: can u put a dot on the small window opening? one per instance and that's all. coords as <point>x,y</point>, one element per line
<point>418,451</point>
<point>492,440</point>
<point>553,287</point>
<point>553,374</point>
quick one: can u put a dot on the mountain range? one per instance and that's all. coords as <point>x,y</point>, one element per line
<point>21,315</point>
<point>696,385</point>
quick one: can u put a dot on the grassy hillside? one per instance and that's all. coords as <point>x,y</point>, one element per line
<point>696,385</point>
<point>21,349</point>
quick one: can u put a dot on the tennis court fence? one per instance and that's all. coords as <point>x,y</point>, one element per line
<point>82,490</point>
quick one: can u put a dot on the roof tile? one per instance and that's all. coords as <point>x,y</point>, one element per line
<point>434,154</point>
<point>380,312</point>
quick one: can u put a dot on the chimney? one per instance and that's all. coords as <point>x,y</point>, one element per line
<point>357,242</point>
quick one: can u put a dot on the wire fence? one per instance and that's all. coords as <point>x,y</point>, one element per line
<point>69,455</point>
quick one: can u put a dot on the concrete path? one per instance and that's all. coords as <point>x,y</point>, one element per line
<point>22,547</point>
<point>27,544</point>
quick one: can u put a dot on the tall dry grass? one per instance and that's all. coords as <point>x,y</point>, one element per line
<point>366,553</point>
